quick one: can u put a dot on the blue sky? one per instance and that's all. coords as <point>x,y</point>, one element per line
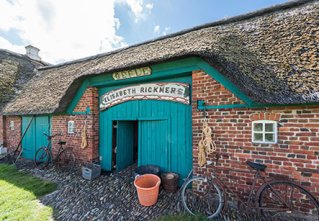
<point>177,15</point>
<point>72,29</point>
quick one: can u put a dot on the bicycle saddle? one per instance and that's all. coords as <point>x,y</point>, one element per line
<point>256,166</point>
<point>62,142</point>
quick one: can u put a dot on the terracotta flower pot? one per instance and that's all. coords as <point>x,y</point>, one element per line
<point>147,187</point>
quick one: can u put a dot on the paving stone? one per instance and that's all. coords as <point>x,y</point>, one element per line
<point>109,197</point>
<point>113,197</point>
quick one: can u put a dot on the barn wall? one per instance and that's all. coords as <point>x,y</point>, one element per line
<point>12,135</point>
<point>296,155</point>
<point>60,125</point>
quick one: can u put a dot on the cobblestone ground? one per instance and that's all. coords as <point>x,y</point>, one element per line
<point>109,197</point>
<point>113,197</point>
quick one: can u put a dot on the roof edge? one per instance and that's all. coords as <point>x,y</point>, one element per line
<point>23,56</point>
<point>27,113</point>
<point>246,16</point>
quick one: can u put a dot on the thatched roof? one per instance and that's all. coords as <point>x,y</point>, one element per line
<point>272,55</point>
<point>15,71</point>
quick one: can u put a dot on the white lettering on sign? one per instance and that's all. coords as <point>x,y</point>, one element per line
<point>132,73</point>
<point>177,92</point>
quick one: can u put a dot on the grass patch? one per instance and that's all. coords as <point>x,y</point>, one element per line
<point>19,193</point>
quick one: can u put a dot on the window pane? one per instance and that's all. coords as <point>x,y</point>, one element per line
<point>269,127</point>
<point>269,138</point>
<point>258,137</point>
<point>258,127</point>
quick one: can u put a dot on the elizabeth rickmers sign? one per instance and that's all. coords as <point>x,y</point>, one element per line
<point>178,92</point>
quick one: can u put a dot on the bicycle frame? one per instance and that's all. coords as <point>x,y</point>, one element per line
<point>249,203</point>
<point>64,160</point>
<point>283,201</point>
<point>49,138</point>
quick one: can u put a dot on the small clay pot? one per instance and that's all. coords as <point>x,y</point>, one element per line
<point>170,181</point>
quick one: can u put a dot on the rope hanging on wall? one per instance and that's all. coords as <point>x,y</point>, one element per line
<point>206,145</point>
<point>84,142</point>
<point>201,154</point>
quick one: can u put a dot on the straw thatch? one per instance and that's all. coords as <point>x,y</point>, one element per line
<point>15,71</point>
<point>272,55</point>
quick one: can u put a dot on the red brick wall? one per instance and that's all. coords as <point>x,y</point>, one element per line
<point>213,92</point>
<point>12,137</point>
<point>60,125</point>
<point>296,154</point>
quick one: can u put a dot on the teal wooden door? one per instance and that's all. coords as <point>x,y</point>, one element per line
<point>125,112</point>
<point>124,142</point>
<point>34,137</point>
<point>153,145</point>
<point>42,125</point>
<point>28,142</point>
<point>164,131</point>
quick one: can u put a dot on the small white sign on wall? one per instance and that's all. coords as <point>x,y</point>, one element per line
<point>71,127</point>
<point>11,126</point>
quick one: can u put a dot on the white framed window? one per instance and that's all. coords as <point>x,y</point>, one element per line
<point>264,131</point>
<point>11,126</point>
<point>71,127</point>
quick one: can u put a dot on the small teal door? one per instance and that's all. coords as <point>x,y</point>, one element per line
<point>153,145</point>
<point>124,142</point>
<point>42,126</point>
<point>28,142</point>
<point>34,138</point>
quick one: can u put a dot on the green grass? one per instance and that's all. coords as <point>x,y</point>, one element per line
<point>19,193</point>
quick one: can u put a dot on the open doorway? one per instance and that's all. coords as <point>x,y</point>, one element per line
<point>124,144</point>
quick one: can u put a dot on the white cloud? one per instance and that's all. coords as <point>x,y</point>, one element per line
<point>149,6</point>
<point>157,29</point>
<point>66,30</point>
<point>8,17</point>
<point>166,30</point>
<point>139,9</point>
<point>4,43</point>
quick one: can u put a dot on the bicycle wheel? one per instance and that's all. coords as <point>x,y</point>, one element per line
<point>65,160</point>
<point>198,200</point>
<point>287,200</point>
<point>42,158</point>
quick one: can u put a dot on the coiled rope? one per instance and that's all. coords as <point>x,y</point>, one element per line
<point>84,142</point>
<point>206,145</point>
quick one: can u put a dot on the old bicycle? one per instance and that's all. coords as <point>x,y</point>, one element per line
<point>274,198</point>
<point>65,159</point>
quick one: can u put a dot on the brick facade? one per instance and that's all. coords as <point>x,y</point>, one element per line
<point>12,135</point>
<point>295,155</point>
<point>60,125</point>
